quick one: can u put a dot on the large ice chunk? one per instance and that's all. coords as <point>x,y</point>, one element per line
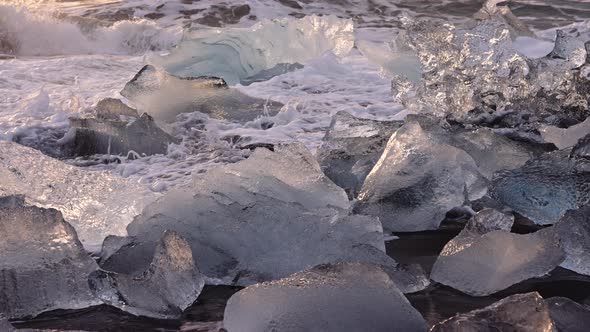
<point>339,297</point>
<point>521,312</point>
<point>235,54</point>
<point>351,147</point>
<point>169,284</point>
<point>418,180</point>
<point>164,96</point>
<point>565,137</point>
<point>567,315</point>
<point>263,218</point>
<point>43,266</point>
<point>95,203</point>
<point>496,260</point>
<point>545,187</point>
<point>574,233</point>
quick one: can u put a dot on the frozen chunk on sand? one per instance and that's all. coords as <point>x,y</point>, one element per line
<point>574,233</point>
<point>43,266</point>
<point>568,315</point>
<point>339,297</point>
<point>497,260</point>
<point>169,285</point>
<point>521,312</point>
<point>417,180</point>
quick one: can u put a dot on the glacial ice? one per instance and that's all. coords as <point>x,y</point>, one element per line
<point>582,148</point>
<point>565,137</point>
<point>351,147</point>
<point>338,297</point>
<point>114,109</point>
<point>567,315</point>
<point>95,203</point>
<point>520,312</point>
<point>574,233</point>
<point>417,181</point>
<point>43,266</point>
<point>236,54</point>
<point>492,11</point>
<point>164,96</point>
<point>5,326</point>
<point>261,219</point>
<point>169,284</point>
<point>545,187</point>
<point>496,260</point>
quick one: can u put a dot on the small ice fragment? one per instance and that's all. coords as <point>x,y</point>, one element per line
<point>574,233</point>
<point>582,148</point>
<point>567,315</point>
<point>565,137</point>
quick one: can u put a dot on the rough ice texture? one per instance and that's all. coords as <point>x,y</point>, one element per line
<point>170,284</point>
<point>567,315</point>
<point>339,297</point>
<point>417,181</point>
<point>351,147</point>
<point>95,203</point>
<point>565,137</point>
<point>263,218</point>
<point>582,148</point>
<point>235,54</point>
<point>43,266</point>
<point>491,11</point>
<point>5,326</point>
<point>574,233</point>
<point>164,96</point>
<point>545,187</point>
<point>497,260</point>
<point>521,312</point>
<point>114,109</point>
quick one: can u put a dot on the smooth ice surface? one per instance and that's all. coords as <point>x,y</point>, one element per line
<point>95,203</point>
<point>497,260</point>
<point>264,218</point>
<point>43,266</point>
<point>339,297</point>
<point>236,54</point>
<point>169,285</point>
<point>351,147</point>
<point>565,137</point>
<point>567,315</point>
<point>164,96</point>
<point>545,187</point>
<point>574,233</point>
<point>417,181</point>
<point>521,312</point>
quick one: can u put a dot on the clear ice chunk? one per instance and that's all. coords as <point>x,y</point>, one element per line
<point>236,54</point>
<point>170,284</point>
<point>43,266</point>
<point>574,233</point>
<point>351,147</point>
<point>339,297</point>
<point>565,137</point>
<point>492,11</point>
<point>96,203</point>
<point>114,109</point>
<point>521,312</point>
<point>497,260</point>
<point>417,181</point>
<point>567,315</point>
<point>164,96</point>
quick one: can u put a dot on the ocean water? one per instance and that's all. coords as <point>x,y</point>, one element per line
<point>58,58</point>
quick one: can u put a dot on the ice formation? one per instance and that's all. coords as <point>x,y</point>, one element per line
<point>582,148</point>
<point>95,203</point>
<point>164,96</point>
<point>339,297</point>
<point>491,10</point>
<point>417,180</point>
<point>497,260</point>
<point>261,219</point>
<point>567,315</point>
<point>236,54</point>
<point>5,326</point>
<point>521,312</point>
<point>169,284</point>
<point>351,147</point>
<point>565,137</point>
<point>545,187</point>
<point>43,266</point>
<point>574,233</point>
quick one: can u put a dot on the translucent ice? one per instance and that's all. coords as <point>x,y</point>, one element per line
<point>340,297</point>
<point>164,96</point>
<point>582,148</point>
<point>169,284</point>
<point>545,187</point>
<point>491,10</point>
<point>567,315</point>
<point>496,260</point>
<point>574,233</point>
<point>263,218</point>
<point>565,137</point>
<point>235,54</point>
<point>351,147</point>
<point>418,180</point>
<point>95,203</point>
<point>43,266</point>
<point>5,326</point>
<point>521,312</point>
